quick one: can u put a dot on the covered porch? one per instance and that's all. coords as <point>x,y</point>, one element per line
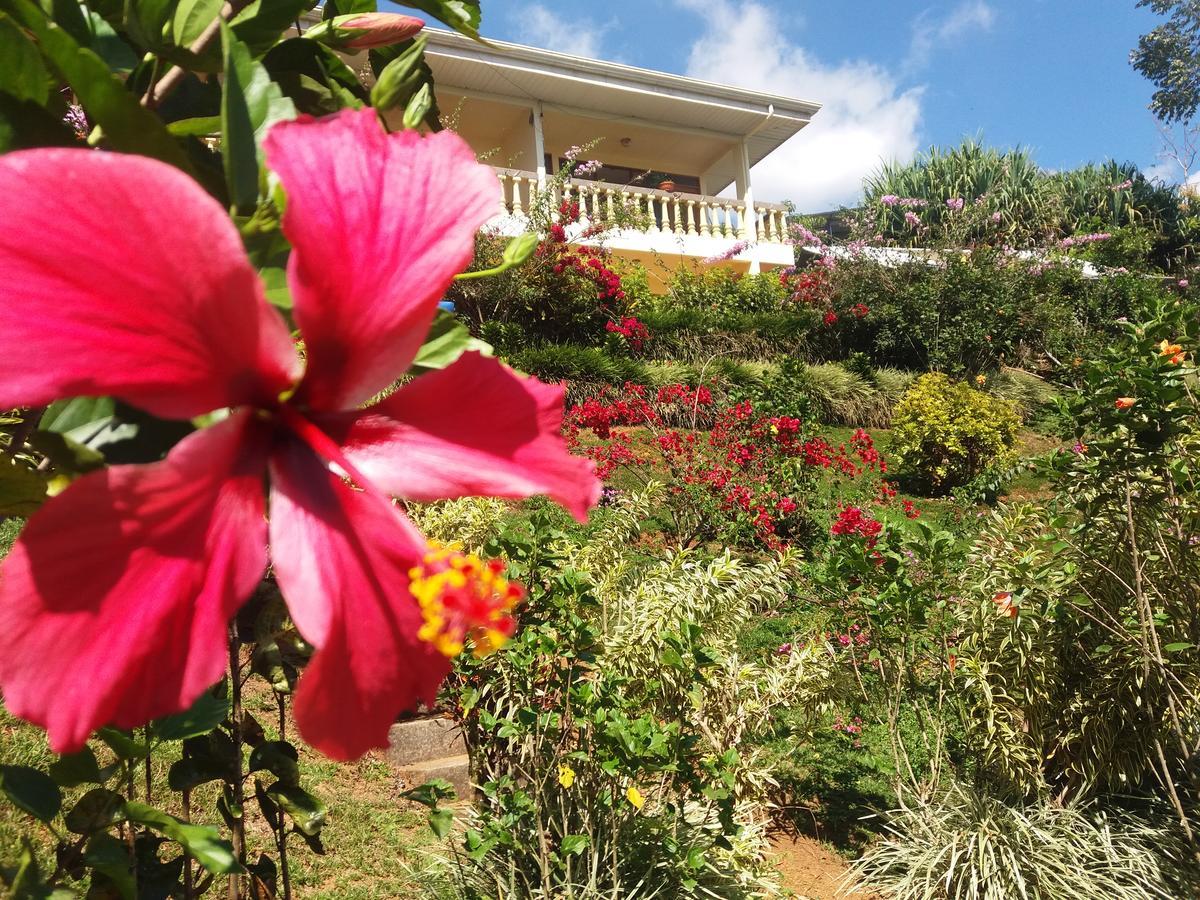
<point>523,109</point>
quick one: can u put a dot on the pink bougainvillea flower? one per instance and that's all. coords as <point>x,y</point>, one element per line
<point>119,276</point>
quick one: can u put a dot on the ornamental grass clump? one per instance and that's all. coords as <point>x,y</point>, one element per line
<point>945,433</point>
<point>965,844</point>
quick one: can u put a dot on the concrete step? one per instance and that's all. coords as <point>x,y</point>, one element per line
<point>454,769</point>
<point>417,740</point>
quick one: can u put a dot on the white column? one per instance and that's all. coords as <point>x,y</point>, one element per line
<point>746,193</point>
<point>539,145</point>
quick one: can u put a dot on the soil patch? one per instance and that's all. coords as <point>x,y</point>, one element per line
<point>810,869</point>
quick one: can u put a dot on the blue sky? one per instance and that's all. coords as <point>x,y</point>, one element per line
<point>894,75</point>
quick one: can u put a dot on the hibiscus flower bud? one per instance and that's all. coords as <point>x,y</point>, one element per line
<point>418,107</point>
<point>1125,402</point>
<point>365,31</point>
<point>520,249</point>
<point>463,597</point>
<point>401,78</point>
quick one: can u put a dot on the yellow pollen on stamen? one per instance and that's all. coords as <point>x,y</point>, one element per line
<point>463,597</point>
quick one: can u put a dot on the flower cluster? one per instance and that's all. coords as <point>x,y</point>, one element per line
<point>750,478</point>
<point>632,329</point>
<point>853,522</point>
<point>729,254</point>
<point>903,202</point>
<point>1081,240</point>
<point>955,204</point>
<point>584,261</point>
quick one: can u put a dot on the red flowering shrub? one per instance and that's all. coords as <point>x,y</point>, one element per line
<point>632,330</point>
<point>751,480</point>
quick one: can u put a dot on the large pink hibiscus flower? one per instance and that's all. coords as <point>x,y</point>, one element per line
<point>119,276</point>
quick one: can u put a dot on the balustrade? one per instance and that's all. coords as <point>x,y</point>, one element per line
<point>669,213</point>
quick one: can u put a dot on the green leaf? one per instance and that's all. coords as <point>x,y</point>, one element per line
<point>314,77</point>
<point>96,810</point>
<point>205,714</point>
<point>23,75</point>
<point>31,791</point>
<point>190,18</point>
<point>76,769</point>
<point>279,758</point>
<point>200,126</point>
<point>66,455</point>
<point>22,490</point>
<point>123,744</point>
<point>1178,647</point>
<point>573,844</point>
<point>67,416</point>
<point>110,856</point>
<point>204,843</point>
<point>431,792</point>
<point>260,25</point>
<point>335,8</point>
<point>275,285</point>
<point>127,126</point>
<point>148,21</point>
<point>250,104</point>
<point>441,821</point>
<point>448,339</point>
<point>461,15</point>
<point>305,810</point>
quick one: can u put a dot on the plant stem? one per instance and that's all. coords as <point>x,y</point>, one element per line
<point>189,884</point>
<point>158,91</point>
<point>281,830</point>
<point>238,825</point>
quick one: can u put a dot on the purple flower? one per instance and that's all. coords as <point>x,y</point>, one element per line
<point>997,217</point>
<point>1183,282</point>
<point>889,200</point>
<point>912,219</point>
<point>955,203</point>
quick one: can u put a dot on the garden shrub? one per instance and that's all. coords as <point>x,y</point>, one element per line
<point>695,334</point>
<point>721,289</point>
<point>946,432</point>
<point>614,738</point>
<point>974,312</point>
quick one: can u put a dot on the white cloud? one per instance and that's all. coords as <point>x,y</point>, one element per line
<point>865,117</point>
<point>929,33</point>
<point>541,27</point>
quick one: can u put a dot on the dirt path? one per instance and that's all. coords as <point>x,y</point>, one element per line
<point>809,868</point>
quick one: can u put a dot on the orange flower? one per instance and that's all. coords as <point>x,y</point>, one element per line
<point>1174,351</point>
<point>1125,402</point>
<point>952,661</point>
<point>1004,604</point>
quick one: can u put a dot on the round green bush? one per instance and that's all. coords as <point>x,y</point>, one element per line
<point>945,432</point>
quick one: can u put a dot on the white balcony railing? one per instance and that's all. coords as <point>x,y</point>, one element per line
<point>662,212</point>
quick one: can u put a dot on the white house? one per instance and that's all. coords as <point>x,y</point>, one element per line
<point>521,109</point>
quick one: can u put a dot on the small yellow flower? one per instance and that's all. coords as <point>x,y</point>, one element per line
<point>981,379</point>
<point>634,796</point>
<point>566,775</point>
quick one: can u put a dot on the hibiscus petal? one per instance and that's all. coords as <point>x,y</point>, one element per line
<point>121,276</point>
<point>475,428</point>
<point>342,559</point>
<point>380,224</point>
<point>114,601</point>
